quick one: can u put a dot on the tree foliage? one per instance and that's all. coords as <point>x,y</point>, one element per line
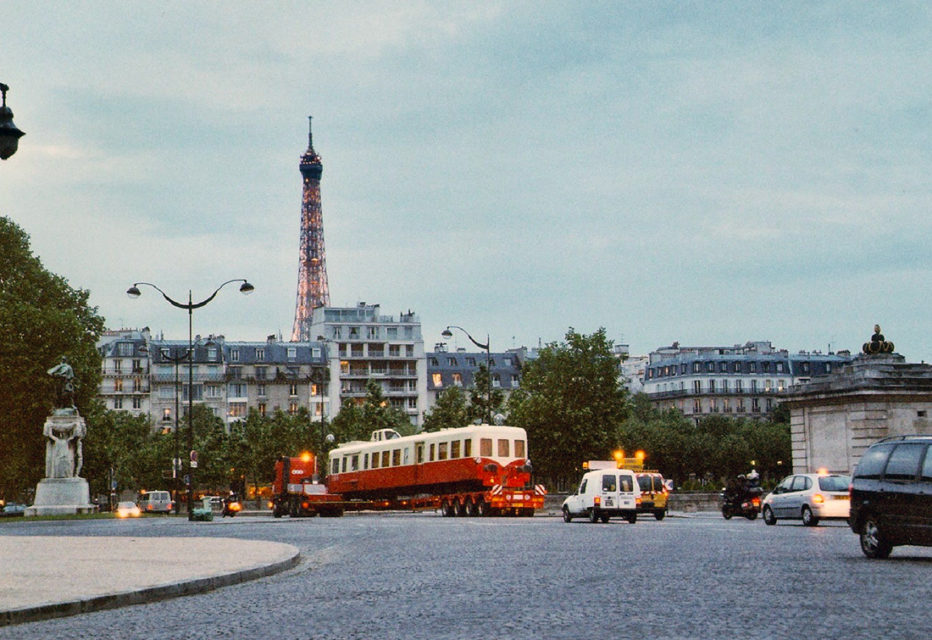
<point>571,404</point>
<point>485,400</point>
<point>716,449</point>
<point>449,411</point>
<point>42,318</point>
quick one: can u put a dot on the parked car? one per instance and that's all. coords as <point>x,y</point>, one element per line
<point>653,494</point>
<point>604,493</point>
<point>891,495</point>
<point>13,509</point>
<point>156,502</point>
<point>809,497</point>
<point>128,510</point>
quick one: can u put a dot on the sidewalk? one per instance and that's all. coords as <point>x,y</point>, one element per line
<point>49,577</point>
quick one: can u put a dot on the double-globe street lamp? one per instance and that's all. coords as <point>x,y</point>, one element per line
<point>190,306</point>
<point>447,334</point>
<point>9,134</point>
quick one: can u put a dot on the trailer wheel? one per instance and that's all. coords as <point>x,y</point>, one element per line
<point>461,508</point>
<point>472,508</point>
<point>484,509</point>
<point>449,509</point>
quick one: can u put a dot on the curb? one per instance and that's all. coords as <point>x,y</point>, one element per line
<point>142,596</point>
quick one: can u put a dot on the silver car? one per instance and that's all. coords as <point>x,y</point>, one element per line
<point>809,497</point>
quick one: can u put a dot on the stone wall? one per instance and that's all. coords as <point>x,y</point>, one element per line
<point>833,419</point>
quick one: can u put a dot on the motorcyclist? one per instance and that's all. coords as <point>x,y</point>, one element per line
<point>227,501</point>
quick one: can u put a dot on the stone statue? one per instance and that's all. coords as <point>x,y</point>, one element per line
<point>878,344</point>
<point>64,455</point>
<point>65,395</point>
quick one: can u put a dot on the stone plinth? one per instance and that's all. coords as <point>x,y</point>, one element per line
<point>61,496</point>
<point>834,418</point>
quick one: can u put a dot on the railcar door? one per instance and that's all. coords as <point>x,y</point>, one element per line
<point>418,460</point>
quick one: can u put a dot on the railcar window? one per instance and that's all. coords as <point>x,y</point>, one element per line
<point>485,447</point>
<point>467,448</point>
<point>385,455</point>
<point>406,456</point>
<point>504,448</point>
<point>344,464</point>
<point>396,457</point>
<point>335,465</point>
<point>519,448</point>
<point>354,462</point>
<point>420,454</point>
<point>375,459</point>
<point>431,458</point>
<point>455,449</point>
<point>442,451</point>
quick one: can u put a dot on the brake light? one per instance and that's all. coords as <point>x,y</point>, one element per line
<point>817,498</point>
<point>755,502</point>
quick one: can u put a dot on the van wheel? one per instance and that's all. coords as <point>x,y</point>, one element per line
<point>567,517</point>
<point>660,514</point>
<point>593,515</point>
<point>873,543</point>
<point>632,518</point>
<point>808,519</point>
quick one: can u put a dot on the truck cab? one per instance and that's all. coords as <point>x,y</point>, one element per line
<point>602,494</point>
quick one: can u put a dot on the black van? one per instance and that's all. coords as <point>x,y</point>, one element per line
<point>891,495</point>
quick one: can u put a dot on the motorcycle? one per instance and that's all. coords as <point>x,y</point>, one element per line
<point>741,503</point>
<point>231,507</point>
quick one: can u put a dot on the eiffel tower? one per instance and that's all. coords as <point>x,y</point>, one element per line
<point>313,290</point>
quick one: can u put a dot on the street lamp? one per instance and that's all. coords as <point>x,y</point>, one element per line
<point>190,306</point>
<point>9,134</point>
<point>176,462</point>
<point>447,334</point>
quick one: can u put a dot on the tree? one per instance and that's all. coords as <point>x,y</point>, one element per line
<point>485,401</point>
<point>42,318</point>
<point>571,404</point>
<point>450,411</point>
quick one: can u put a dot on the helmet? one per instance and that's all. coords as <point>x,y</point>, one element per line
<point>740,476</point>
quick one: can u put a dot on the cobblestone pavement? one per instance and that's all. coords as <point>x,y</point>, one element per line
<point>423,576</point>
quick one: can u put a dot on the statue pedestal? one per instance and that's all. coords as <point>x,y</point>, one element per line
<point>61,496</point>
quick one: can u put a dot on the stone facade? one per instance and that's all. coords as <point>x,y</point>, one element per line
<point>834,418</point>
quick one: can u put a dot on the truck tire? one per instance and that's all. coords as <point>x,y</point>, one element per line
<point>593,515</point>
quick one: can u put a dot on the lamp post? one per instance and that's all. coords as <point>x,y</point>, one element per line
<point>9,134</point>
<point>190,306</point>
<point>176,462</point>
<point>447,334</point>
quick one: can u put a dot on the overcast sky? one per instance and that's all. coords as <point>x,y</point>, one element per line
<point>708,173</point>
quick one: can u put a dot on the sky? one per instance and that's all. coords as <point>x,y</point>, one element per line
<point>701,173</point>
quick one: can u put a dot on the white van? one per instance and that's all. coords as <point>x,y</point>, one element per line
<point>604,493</point>
<point>156,502</point>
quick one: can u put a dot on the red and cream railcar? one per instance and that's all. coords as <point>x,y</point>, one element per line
<point>469,470</point>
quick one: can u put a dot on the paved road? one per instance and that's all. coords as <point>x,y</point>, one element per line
<point>422,576</point>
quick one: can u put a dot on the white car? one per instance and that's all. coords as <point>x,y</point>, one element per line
<point>809,497</point>
<point>604,493</point>
<point>128,510</point>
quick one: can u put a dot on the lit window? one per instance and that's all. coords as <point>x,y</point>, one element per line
<point>438,380</point>
<point>458,379</point>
